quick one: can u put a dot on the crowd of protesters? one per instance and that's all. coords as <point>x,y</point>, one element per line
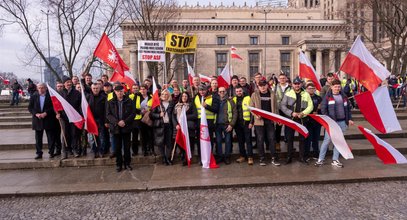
<point>127,126</point>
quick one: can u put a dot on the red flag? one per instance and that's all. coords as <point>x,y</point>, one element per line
<point>90,123</point>
<point>5,81</point>
<point>207,158</point>
<point>336,134</point>
<point>128,78</point>
<point>378,110</point>
<point>233,53</point>
<point>205,78</point>
<point>360,64</point>
<point>280,119</point>
<point>107,52</point>
<point>224,77</point>
<point>60,104</point>
<point>308,71</point>
<point>182,137</point>
<point>387,153</point>
<point>156,97</point>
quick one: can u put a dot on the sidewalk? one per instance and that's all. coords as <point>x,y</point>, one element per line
<point>59,181</point>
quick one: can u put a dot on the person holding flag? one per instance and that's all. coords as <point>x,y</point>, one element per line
<point>97,103</point>
<point>264,99</point>
<point>336,105</point>
<point>191,116</point>
<point>72,131</point>
<point>120,113</point>
<point>296,104</point>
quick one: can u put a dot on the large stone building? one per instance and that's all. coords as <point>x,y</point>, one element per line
<point>267,38</point>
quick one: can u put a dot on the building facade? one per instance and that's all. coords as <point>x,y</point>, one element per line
<point>49,77</point>
<point>267,38</point>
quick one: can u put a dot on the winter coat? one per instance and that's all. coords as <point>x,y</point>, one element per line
<point>34,107</point>
<point>328,106</point>
<point>256,102</point>
<point>97,106</point>
<point>112,115</point>
<point>192,117</point>
<point>158,122</point>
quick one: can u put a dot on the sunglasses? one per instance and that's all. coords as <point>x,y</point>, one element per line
<point>222,91</point>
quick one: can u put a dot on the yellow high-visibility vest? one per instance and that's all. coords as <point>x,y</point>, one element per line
<point>245,109</point>
<point>138,106</point>
<point>209,114</point>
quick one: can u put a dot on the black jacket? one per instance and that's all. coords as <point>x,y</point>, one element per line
<point>158,122</point>
<point>112,115</point>
<point>74,98</point>
<point>15,87</point>
<point>47,123</point>
<point>97,105</point>
<point>192,117</point>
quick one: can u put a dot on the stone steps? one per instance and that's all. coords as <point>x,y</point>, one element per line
<point>16,119</point>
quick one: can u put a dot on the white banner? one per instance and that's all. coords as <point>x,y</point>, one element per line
<point>152,51</point>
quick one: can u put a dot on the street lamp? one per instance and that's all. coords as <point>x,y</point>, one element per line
<point>49,56</point>
<point>265,12</point>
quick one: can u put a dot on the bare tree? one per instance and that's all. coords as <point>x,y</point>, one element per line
<point>76,21</point>
<point>383,25</point>
<point>151,19</point>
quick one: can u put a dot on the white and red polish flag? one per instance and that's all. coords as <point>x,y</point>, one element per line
<point>207,158</point>
<point>182,137</point>
<point>60,104</point>
<point>205,78</point>
<point>107,52</point>
<point>378,110</point>
<point>156,97</point>
<point>233,53</point>
<point>128,78</point>
<point>191,73</point>
<point>90,123</point>
<point>301,129</point>
<point>224,77</point>
<point>360,64</point>
<point>336,134</point>
<point>307,71</point>
<point>387,153</point>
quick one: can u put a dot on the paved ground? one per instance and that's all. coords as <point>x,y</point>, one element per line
<point>375,200</point>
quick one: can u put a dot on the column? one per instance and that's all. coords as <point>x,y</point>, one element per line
<point>319,62</point>
<point>332,59</point>
<point>308,54</point>
<point>133,62</point>
<point>343,55</point>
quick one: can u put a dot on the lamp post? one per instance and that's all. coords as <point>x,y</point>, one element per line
<point>49,53</point>
<point>265,12</point>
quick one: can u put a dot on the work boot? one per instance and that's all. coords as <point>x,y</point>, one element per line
<point>241,159</point>
<point>250,161</point>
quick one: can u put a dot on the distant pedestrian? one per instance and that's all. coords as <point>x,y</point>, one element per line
<point>15,88</point>
<point>31,88</point>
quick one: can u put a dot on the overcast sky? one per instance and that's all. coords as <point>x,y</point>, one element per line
<point>13,43</point>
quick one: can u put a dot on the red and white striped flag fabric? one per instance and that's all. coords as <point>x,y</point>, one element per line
<point>61,104</point>
<point>336,134</point>
<point>191,73</point>
<point>360,64</point>
<point>156,97</point>
<point>224,77</point>
<point>182,137</point>
<point>127,78</point>
<point>207,158</point>
<point>90,123</point>
<point>233,53</point>
<point>205,78</point>
<point>378,110</point>
<point>387,153</point>
<point>307,71</point>
<point>301,129</point>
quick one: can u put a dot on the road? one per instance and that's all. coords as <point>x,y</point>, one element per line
<point>374,200</point>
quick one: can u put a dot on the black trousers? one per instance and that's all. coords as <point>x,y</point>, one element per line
<point>50,138</point>
<point>135,140</point>
<point>278,130</point>
<point>72,135</point>
<point>244,136</point>
<point>289,133</point>
<point>146,133</point>
<point>167,145</point>
<point>122,141</point>
<point>263,133</point>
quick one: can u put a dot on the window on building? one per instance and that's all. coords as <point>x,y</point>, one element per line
<point>285,58</point>
<point>190,58</point>
<point>254,40</point>
<point>221,59</point>
<point>285,40</point>
<point>254,61</point>
<point>221,40</point>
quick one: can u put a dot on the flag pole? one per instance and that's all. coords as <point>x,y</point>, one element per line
<point>173,150</point>
<point>94,139</point>
<point>63,134</point>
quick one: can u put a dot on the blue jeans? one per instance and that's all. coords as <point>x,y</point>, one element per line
<point>312,140</point>
<point>112,143</point>
<point>15,98</point>
<point>327,141</point>
<point>220,132</point>
<point>101,145</point>
<point>244,136</point>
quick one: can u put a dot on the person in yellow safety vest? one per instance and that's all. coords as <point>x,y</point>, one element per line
<point>296,105</point>
<point>108,89</point>
<point>136,97</point>
<point>243,132</point>
<point>146,132</point>
<point>400,84</point>
<point>211,105</point>
<point>225,121</point>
